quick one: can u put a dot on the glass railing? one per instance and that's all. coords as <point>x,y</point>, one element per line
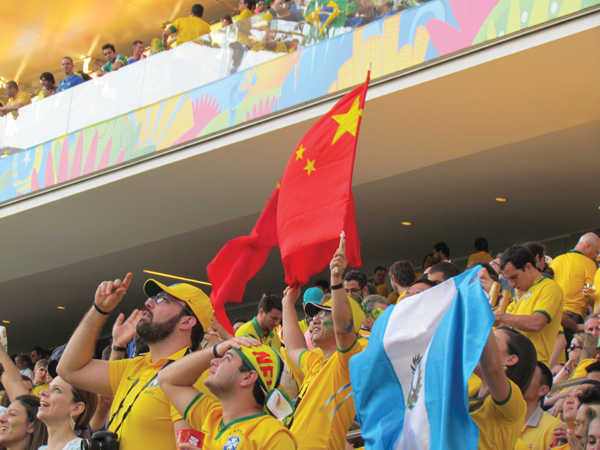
<point>239,46</point>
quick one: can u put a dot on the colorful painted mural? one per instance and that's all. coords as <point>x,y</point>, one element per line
<point>412,37</point>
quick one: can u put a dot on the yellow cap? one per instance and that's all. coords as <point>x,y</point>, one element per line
<point>197,300</point>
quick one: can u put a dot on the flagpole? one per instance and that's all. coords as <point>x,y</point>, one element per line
<point>176,277</point>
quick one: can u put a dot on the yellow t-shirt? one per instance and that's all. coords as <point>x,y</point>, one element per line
<point>320,394</point>
<point>23,98</point>
<point>479,257</point>
<point>149,424</point>
<point>538,434</point>
<point>245,14</point>
<point>40,388</point>
<point>188,28</point>
<point>383,290</point>
<point>571,271</point>
<point>597,286</point>
<point>473,386</point>
<point>256,432</point>
<point>500,424</point>
<point>543,296</point>
<point>580,369</point>
<point>253,329</point>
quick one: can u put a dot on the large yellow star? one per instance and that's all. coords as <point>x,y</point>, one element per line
<point>349,121</point>
<point>310,166</point>
<point>299,152</point>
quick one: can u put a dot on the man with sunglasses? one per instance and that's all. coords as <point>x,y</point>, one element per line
<point>324,408</point>
<point>172,323</point>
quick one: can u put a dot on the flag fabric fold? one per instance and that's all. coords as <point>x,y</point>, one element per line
<point>241,259</point>
<point>410,384</point>
<point>315,202</point>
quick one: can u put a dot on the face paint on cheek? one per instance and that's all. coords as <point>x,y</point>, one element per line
<point>15,424</point>
<point>328,324</point>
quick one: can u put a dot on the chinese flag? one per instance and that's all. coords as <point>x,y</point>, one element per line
<point>240,259</point>
<point>315,199</point>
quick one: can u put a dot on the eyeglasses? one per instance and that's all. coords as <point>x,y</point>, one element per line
<point>165,297</point>
<point>575,347</point>
<point>352,291</point>
<point>320,314</point>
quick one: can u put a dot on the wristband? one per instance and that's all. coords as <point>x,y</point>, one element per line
<point>104,313</point>
<point>116,348</point>
<point>337,286</point>
<point>566,369</point>
<point>215,351</point>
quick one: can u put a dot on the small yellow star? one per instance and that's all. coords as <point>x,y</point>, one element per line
<point>299,152</point>
<point>310,166</point>
<point>349,121</point>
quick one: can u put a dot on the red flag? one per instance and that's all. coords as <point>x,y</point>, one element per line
<point>240,259</point>
<point>315,199</point>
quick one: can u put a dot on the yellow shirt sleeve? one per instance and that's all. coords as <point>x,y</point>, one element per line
<point>116,370</point>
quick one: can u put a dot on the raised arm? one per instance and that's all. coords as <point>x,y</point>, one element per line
<point>293,337</point>
<point>11,377</point>
<point>77,365</point>
<point>493,371</point>
<point>341,311</point>
<point>177,380</point>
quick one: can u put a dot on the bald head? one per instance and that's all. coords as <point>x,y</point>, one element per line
<point>589,245</point>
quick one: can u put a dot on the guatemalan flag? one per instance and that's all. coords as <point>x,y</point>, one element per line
<point>410,384</point>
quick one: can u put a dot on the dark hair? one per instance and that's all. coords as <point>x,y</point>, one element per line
<point>429,283</point>
<point>591,395</point>
<point>594,367</point>
<point>403,272</point>
<point>48,76</point>
<point>371,289</point>
<point>442,247</point>
<point>269,302</point>
<point>197,335</point>
<point>31,404</point>
<point>481,245</point>
<point>257,392</point>
<point>490,270</point>
<point>356,275</point>
<point>43,352</point>
<point>228,18</point>
<point>112,47</point>
<point>378,268</point>
<point>522,372</point>
<point>518,256</point>
<point>90,400</point>
<point>67,57</point>
<point>238,320</point>
<point>136,43</point>
<point>198,10</point>
<point>12,85</point>
<point>428,255</point>
<point>449,270</point>
<point>323,284</point>
<point>546,377</point>
<point>251,4</point>
<point>535,248</point>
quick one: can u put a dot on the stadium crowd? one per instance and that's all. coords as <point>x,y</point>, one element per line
<point>173,377</point>
<point>251,15</point>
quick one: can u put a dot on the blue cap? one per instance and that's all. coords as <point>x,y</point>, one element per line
<point>313,295</point>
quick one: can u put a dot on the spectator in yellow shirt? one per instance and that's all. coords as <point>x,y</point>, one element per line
<point>16,100</point>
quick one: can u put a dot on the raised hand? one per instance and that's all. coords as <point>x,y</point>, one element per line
<point>110,293</point>
<point>123,330</point>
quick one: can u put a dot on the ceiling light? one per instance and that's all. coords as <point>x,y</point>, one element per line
<point>500,199</point>
<point>60,307</point>
<point>6,321</point>
<point>407,224</point>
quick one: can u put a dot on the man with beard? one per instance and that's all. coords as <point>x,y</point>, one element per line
<point>172,324</point>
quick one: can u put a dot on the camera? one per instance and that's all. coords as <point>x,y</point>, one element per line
<point>101,440</point>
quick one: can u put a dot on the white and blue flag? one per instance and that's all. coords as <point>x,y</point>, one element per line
<point>410,383</point>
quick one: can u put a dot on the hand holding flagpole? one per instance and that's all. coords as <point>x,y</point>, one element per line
<point>339,262</point>
<point>342,247</point>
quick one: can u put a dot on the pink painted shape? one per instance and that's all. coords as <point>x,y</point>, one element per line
<point>91,157</point>
<point>263,108</point>
<point>63,165</point>
<point>49,171</point>
<point>120,158</point>
<point>469,16</point>
<point>78,157</point>
<point>105,155</point>
<point>204,110</point>
<point>35,181</point>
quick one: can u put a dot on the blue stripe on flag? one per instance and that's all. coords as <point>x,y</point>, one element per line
<point>380,410</point>
<point>454,352</point>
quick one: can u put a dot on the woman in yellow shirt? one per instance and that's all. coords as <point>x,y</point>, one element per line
<point>506,368</point>
<point>581,354</point>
